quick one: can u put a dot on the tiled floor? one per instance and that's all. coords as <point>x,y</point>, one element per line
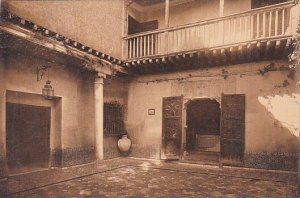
<point>141,178</point>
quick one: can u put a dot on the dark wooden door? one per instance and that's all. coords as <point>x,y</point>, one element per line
<point>27,135</point>
<point>232,129</point>
<point>172,122</point>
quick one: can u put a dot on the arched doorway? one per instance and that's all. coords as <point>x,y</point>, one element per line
<point>203,131</point>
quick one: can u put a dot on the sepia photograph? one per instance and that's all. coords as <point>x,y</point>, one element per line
<point>150,98</point>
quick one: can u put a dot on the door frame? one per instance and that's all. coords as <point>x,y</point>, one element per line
<point>186,101</point>
<point>26,98</point>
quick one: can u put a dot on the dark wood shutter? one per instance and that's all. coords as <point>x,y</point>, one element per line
<point>232,129</point>
<point>171,131</point>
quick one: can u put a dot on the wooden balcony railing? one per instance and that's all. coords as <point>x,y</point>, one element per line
<point>262,23</point>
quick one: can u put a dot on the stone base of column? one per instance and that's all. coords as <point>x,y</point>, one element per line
<point>3,187</point>
<point>3,176</point>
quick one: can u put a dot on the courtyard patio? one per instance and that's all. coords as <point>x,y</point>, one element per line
<point>130,177</point>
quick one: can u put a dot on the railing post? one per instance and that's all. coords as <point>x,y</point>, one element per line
<point>270,23</point>
<point>134,47</point>
<point>221,12</point>
<point>276,23</point>
<point>257,26</point>
<point>283,21</point>
<point>251,25</point>
<point>124,31</point>
<point>264,24</point>
<point>165,42</point>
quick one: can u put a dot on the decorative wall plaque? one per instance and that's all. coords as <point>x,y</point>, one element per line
<point>151,111</point>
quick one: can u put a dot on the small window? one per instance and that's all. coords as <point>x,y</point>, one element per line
<point>113,119</point>
<point>263,3</point>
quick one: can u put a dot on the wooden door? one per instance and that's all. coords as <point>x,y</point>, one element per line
<point>232,129</point>
<point>27,135</point>
<point>172,122</point>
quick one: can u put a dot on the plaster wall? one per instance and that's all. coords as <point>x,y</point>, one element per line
<point>192,12</point>
<point>115,90</point>
<point>73,87</point>
<point>272,112</point>
<point>182,14</point>
<point>97,24</point>
<point>236,6</point>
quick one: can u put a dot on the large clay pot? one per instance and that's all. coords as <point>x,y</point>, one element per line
<point>124,143</point>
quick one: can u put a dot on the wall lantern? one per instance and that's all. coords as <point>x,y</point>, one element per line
<point>48,91</point>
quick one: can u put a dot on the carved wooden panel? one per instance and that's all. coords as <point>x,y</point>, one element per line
<point>172,118</point>
<point>232,129</point>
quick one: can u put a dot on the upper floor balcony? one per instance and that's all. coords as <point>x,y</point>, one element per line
<point>269,28</point>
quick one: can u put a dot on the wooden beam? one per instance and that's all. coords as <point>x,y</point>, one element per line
<point>269,51</point>
<point>191,55</point>
<point>241,53</point>
<point>233,55</point>
<point>171,59</point>
<point>221,12</point>
<point>249,52</point>
<point>178,57</point>
<point>167,13</point>
<point>287,46</point>
<point>216,56</point>
<point>57,46</point>
<point>201,59</point>
<point>223,57</point>
<point>127,65</point>
<point>133,63</point>
<point>208,57</point>
<point>277,50</point>
<point>258,49</point>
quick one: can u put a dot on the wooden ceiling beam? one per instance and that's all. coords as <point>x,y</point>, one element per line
<point>241,53</point>
<point>233,54</point>
<point>223,56</point>
<point>269,50</point>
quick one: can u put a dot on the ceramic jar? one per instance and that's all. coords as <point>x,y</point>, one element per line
<point>124,143</point>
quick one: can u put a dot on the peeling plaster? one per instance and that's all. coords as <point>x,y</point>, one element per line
<point>285,109</point>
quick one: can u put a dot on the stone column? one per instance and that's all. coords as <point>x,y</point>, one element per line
<point>98,94</point>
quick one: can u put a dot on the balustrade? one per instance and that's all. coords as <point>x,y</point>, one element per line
<point>257,24</point>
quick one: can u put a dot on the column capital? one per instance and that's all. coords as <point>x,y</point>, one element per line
<point>99,77</point>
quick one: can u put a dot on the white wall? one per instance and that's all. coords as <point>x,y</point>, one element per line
<point>97,24</point>
<point>268,128</point>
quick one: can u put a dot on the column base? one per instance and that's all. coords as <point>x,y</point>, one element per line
<point>3,187</point>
